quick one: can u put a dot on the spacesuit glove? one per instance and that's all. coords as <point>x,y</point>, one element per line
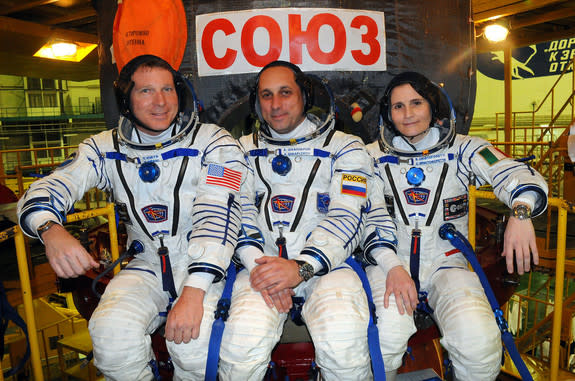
<point>185,317</point>
<point>399,283</point>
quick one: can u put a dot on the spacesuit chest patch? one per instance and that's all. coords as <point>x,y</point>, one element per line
<point>282,203</point>
<point>155,213</point>
<point>416,196</point>
<point>454,207</point>
<point>353,185</point>
<point>323,202</point>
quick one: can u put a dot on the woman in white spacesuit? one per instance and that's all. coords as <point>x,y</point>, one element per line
<point>176,186</point>
<point>311,184</point>
<point>427,168</point>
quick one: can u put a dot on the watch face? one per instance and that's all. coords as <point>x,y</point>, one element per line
<point>306,270</point>
<point>522,212</point>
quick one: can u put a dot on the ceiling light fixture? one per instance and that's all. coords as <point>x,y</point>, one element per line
<point>65,50</point>
<point>495,32</point>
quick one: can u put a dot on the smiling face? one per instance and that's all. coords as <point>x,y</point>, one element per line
<point>280,98</point>
<point>410,112</point>
<point>153,99</point>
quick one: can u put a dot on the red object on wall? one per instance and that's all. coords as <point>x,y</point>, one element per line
<point>155,27</point>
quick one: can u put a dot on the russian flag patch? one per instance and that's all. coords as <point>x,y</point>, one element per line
<point>353,185</point>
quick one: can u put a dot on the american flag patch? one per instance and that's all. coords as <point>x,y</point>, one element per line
<point>224,177</point>
<point>353,185</point>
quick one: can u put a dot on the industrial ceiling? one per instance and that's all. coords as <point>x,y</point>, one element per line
<point>26,25</point>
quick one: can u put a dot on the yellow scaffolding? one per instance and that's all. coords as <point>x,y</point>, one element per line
<point>23,270</point>
<point>474,194</point>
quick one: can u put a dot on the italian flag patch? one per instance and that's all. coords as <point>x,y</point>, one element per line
<point>491,155</point>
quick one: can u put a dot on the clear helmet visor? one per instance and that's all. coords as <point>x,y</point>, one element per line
<point>442,113</point>
<point>319,106</point>
<point>186,119</point>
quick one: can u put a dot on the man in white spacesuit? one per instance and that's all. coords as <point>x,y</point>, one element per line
<point>311,184</point>
<point>427,169</point>
<point>176,185</point>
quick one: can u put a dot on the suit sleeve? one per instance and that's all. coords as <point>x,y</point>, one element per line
<point>53,196</point>
<point>510,179</point>
<point>216,212</point>
<point>251,241</point>
<point>339,233</point>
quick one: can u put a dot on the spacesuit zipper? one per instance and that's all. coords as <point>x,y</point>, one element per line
<point>281,244</point>
<point>414,255</point>
<point>167,276</point>
<point>230,202</point>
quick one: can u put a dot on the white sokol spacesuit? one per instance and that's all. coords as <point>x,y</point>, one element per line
<point>317,207</point>
<point>180,192</point>
<point>426,185</point>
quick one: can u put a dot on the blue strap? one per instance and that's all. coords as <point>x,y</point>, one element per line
<point>320,153</point>
<point>7,313</point>
<point>449,232</point>
<point>377,365</point>
<point>167,276</point>
<point>221,315</point>
<point>115,156</point>
<point>177,152</point>
<point>388,159</point>
<point>180,152</point>
<point>414,257</point>
<point>262,152</point>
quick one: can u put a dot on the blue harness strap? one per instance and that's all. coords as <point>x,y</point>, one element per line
<point>377,365</point>
<point>7,313</point>
<point>449,232</point>
<point>221,315</point>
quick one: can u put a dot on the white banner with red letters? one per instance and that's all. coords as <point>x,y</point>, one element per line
<point>315,39</point>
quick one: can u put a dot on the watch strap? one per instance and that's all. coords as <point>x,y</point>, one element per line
<point>44,227</point>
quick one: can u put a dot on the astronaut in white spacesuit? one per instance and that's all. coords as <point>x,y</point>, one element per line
<point>176,186</point>
<point>311,184</point>
<point>427,168</point>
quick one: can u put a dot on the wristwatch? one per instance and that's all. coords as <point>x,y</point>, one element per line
<point>44,227</point>
<point>522,212</point>
<point>306,271</point>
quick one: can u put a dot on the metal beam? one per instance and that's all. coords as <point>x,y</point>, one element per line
<point>78,15</point>
<point>8,24</point>
<point>517,22</point>
<point>490,10</point>
<point>25,6</point>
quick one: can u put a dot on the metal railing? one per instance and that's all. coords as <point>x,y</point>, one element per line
<point>24,272</point>
<point>529,136</point>
<point>563,208</point>
<point>50,112</point>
